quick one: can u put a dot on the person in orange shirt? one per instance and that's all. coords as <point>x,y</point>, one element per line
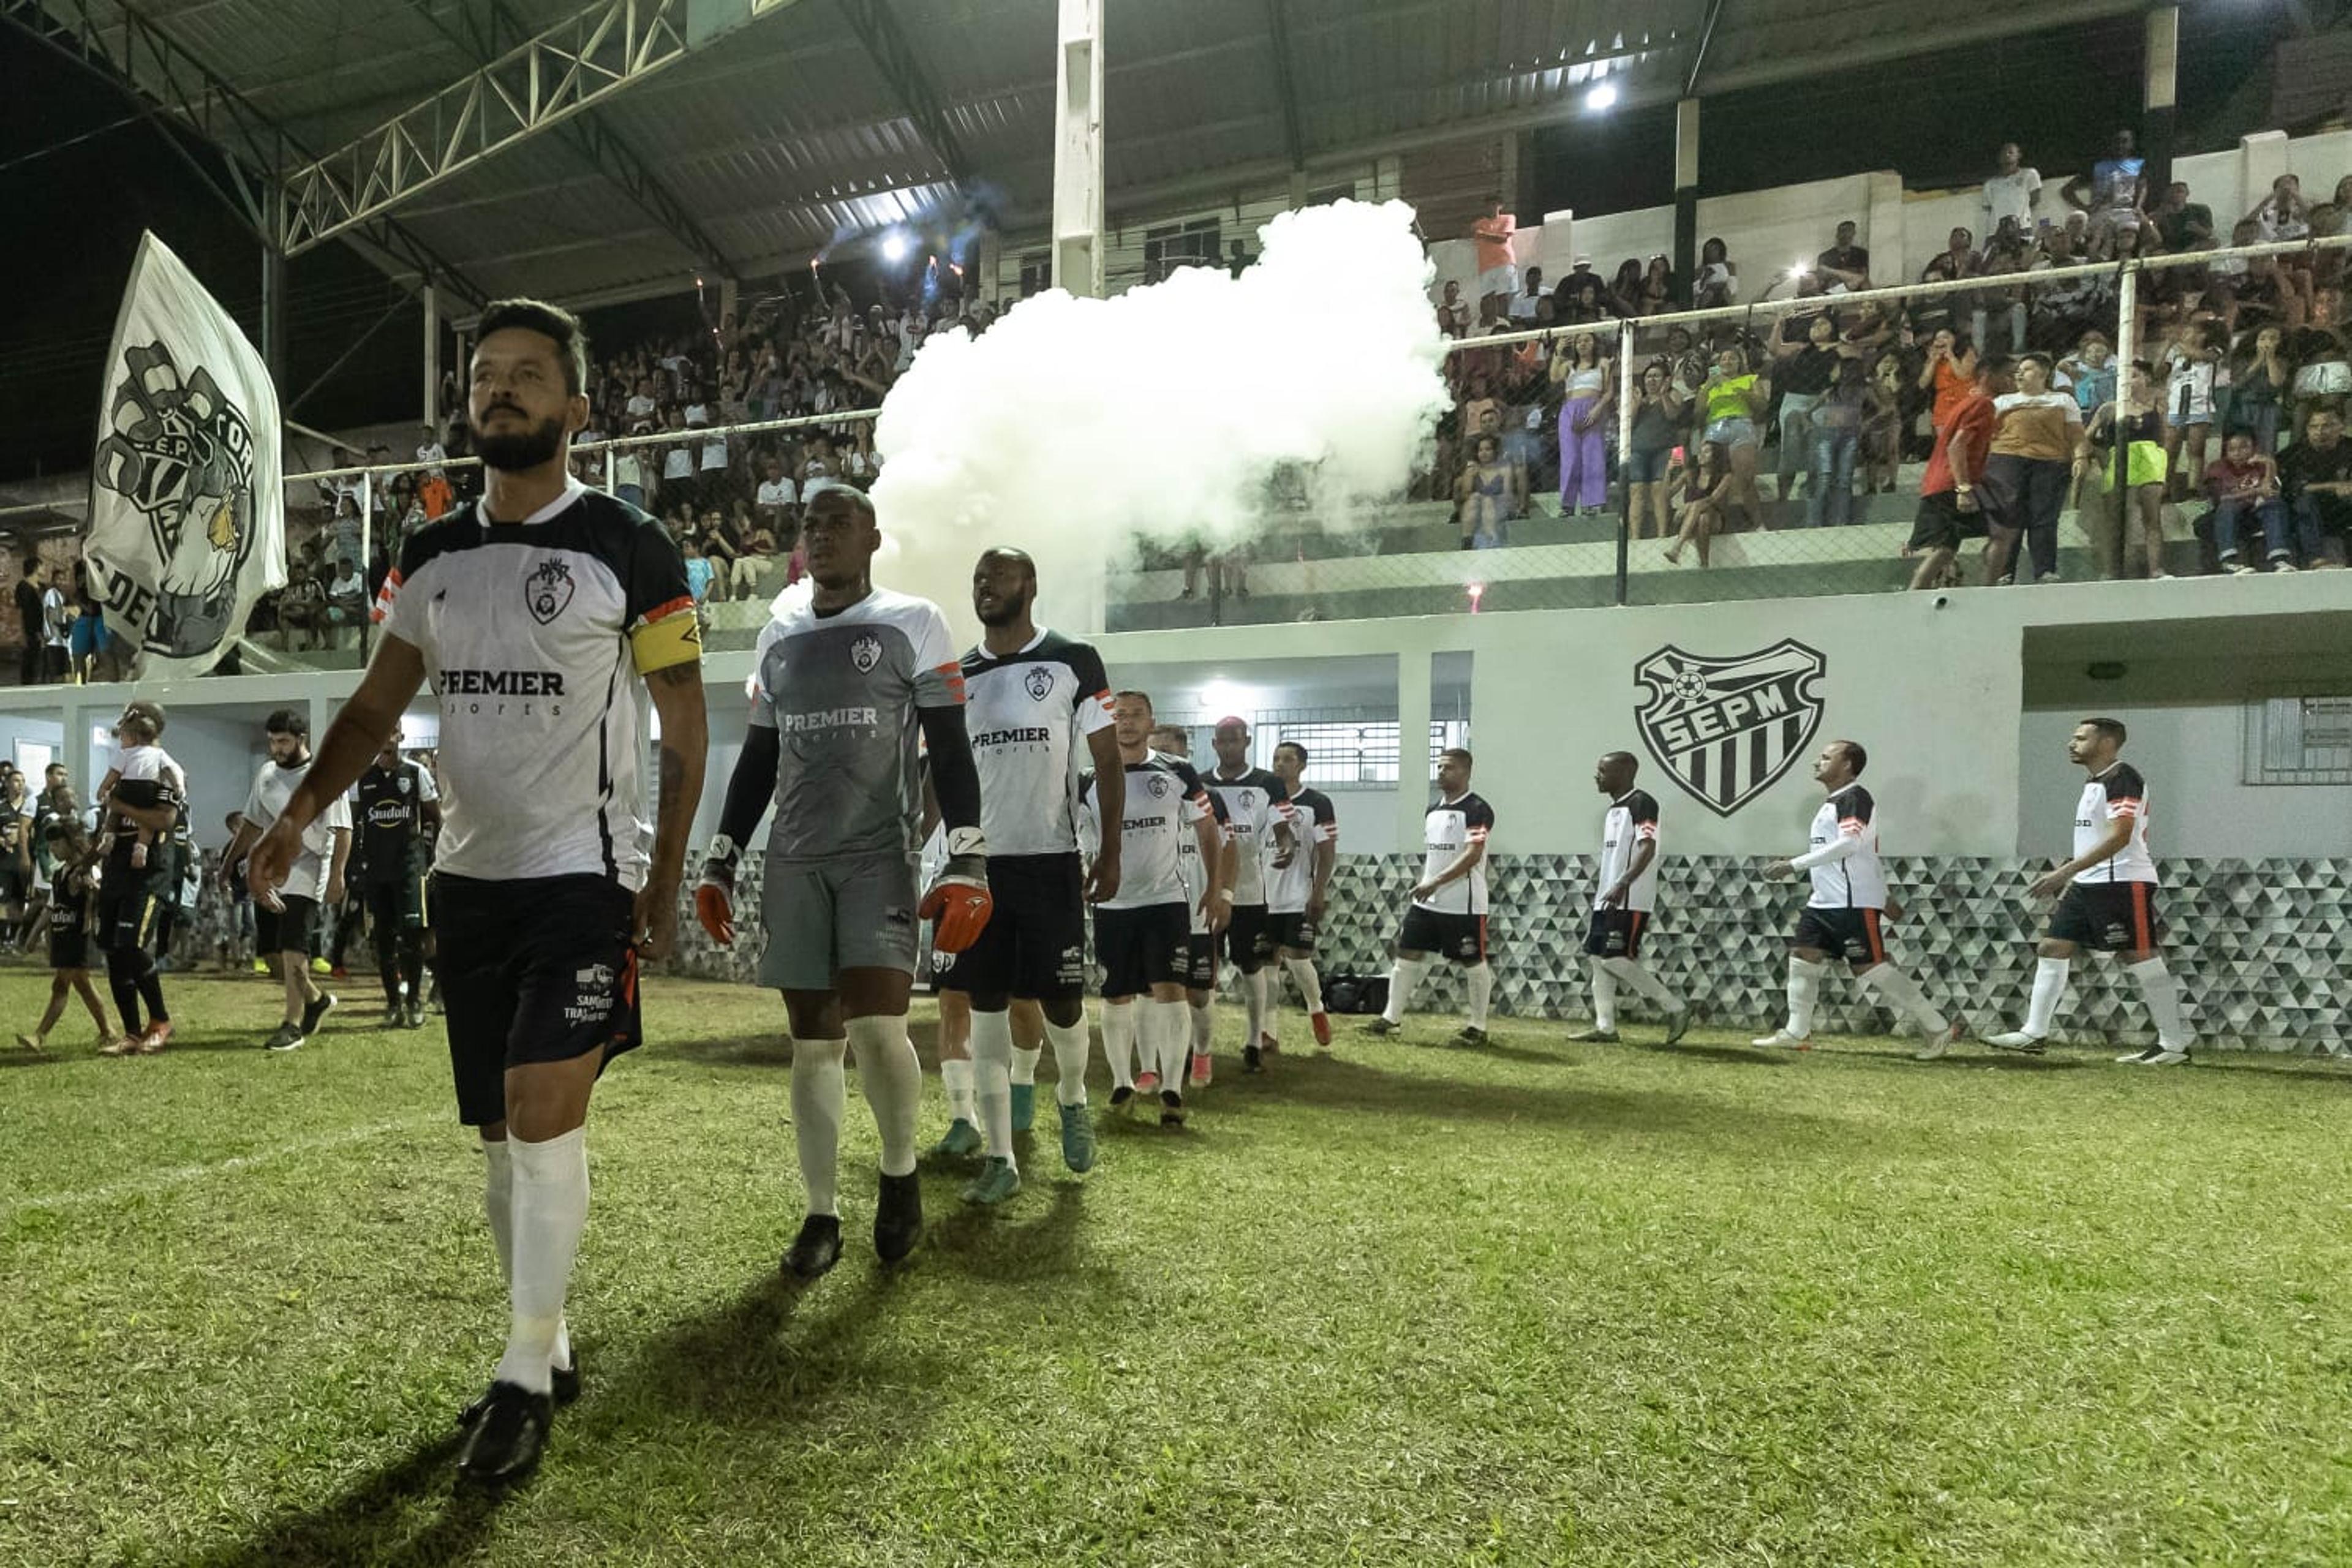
<point>1499,276</point>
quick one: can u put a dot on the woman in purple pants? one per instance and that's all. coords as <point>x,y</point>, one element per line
<point>1585,378</point>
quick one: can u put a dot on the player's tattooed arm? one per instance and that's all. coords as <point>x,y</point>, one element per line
<point>676,692</point>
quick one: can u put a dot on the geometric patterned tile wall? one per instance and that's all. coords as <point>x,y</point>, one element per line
<point>2261,946</point>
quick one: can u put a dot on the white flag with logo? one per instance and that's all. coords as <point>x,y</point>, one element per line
<point>187,500</point>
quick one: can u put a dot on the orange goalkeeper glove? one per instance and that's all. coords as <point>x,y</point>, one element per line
<point>714,896</point>
<point>958,904</point>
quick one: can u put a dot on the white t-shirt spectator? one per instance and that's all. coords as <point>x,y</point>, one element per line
<point>698,413</point>
<point>2012,196</point>
<point>273,787</point>
<point>432,452</point>
<point>816,469</point>
<point>628,468</point>
<point>677,463</point>
<point>778,493</point>
<point>714,453</point>
<point>641,405</point>
<point>55,617</point>
<point>861,466</point>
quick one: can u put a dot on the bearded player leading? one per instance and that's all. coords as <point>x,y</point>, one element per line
<point>1623,902</point>
<point>1033,701</point>
<point>1843,918</point>
<point>844,680</point>
<point>2107,901</point>
<point>1257,812</point>
<point>543,613</point>
<point>1299,891</point>
<point>1447,917</point>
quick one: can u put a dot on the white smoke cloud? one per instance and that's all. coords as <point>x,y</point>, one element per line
<point>1073,426</point>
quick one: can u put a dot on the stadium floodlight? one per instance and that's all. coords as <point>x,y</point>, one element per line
<point>895,246</point>
<point>1601,99</point>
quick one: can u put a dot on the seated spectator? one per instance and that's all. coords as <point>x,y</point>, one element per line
<point>1706,503</point>
<point>1718,278</point>
<point>2115,193</point>
<point>1659,287</point>
<point>1940,313</point>
<point>722,541</point>
<point>2181,224</point>
<point>2243,486</point>
<point>1581,297</point>
<point>2014,191</point>
<point>698,571</point>
<point>778,499</point>
<point>1625,288</point>
<point>2089,373</point>
<point>761,546</point>
<point>1484,496</point>
<point>1845,265</point>
<point>1524,302</point>
<point>2281,214</point>
<point>347,601</point>
<point>1454,312</point>
<point>302,608</point>
<point>2315,481</point>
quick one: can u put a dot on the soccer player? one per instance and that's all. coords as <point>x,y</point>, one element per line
<point>1624,901</point>
<point>1257,810</point>
<point>1849,903</point>
<point>148,799</point>
<point>1296,892</point>
<point>284,921</point>
<point>1033,699</point>
<point>544,613</point>
<point>844,680</point>
<point>1448,914</point>
<point>1141,938</point>
<point>399,808</point>
<point>2107,901</point>
<point>1201,877</point>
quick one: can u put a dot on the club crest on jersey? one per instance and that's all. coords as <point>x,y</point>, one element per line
<point>866,653</point>
<point>1040,682</point>
<point>547,590</point>
<point>1158,785</point>
<point>1727,729</point>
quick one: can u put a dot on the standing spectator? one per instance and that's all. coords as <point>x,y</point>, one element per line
<point>1499,276</point>
<point>1524,302</point>
<point>1585,380</point>
<point>29,618</point>
<point>1733,396</point>
<point>2243,486</point>
<point>2315,475</point>
<point>1950,505</point>
<point>2014,191</point>
<point>1454,312</point>
<point>2137,424</point>
<point>677,482</point>
<point>1803,373</point>
<point>1658,421</point>
<point>1238,259</point>
<point>2181,224</point>
<point>1948,375</point>
<point>2190,362</point>
<point>1845,265</point>
<point>89,637</point>
<point>2115,191</point>
<point>2258,385</point>
<point>862,465</point>
<point>710,482</point>
<point>2037,446</point>
<point>1837,421</point>
<point>57,629</point>
<point>777,499</point>
<point>1942,312</point>
<point>1881,426</point>
<point>1582,296</point>
<point>347,599</point>
<point>629,467</point>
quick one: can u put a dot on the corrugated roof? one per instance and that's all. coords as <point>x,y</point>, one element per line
<point>784,134</point>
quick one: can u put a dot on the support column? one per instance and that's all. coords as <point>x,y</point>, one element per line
<point>1078,149</point>
<point>1687,197</point>
<point>730,294</point>
<point>432,301</point>
<point>2160,95</point>
<point>1412,748</point>
<point>273,292</point>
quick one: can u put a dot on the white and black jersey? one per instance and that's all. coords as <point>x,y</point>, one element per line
<point>1450,827</point>
<point>1164,799</point>
<point>1030,714</point>
<point>1855,880</point>
<point>1255,802</point>
<point>273,787</point>
<point>536,636</point>
<point>2116,794</point>
<point>1315,822</point>
<point>1630,821</point>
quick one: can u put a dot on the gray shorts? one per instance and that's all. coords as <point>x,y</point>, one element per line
<point>825,916</point>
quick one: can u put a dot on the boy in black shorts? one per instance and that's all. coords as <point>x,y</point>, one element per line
<point>74,895</point>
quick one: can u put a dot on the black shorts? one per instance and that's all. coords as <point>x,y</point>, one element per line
<point>1851,934</point>
<point>538,969</point>
<point>405,904</point>
<point>1292,932</point>
<point>1140,948</point>
<point>2108,916</point>
<point>1616,933</point>
<point>69,949</point>
<point>1461,938</point>
<point>1034,944</point>
<point>131,915</point>
<point>1941,524</point>
<point>14,885</point>
<point>1200,960</point>
<point>1247,941</point>
<point>288,930</point>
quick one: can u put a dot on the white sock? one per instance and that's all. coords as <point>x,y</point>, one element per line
<point>1403,976</point>
<point>819,1091</point>
<point>497,1203</point>
<point>1025,1063</point>
<point>955,1076</point>
<point>551,1210</point>
<point>991,1074</point>
<point>2049,984</point>
<point>1119,1024</point>
<point>892,1077</point>
<point>1633,972</point>
<point>1903,994</point>
<point>1804,995</point>
<point>1204,1025</point>
<point>2158,985</point>
<point>1071,1044</point>
<point>1310,984</point>
<point>1482,991</point>
<point>1253,996</point>
<point>1604,995</point>
<point>1175,1040</point>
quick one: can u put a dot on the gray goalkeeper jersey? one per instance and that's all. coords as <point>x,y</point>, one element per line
<point>842,691</point>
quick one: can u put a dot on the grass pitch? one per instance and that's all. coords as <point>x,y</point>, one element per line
<point>1407,1304</point>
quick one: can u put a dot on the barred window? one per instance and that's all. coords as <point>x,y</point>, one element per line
<point>2299,740</point>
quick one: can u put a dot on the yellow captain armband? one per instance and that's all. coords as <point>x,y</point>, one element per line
<point>670,635</point>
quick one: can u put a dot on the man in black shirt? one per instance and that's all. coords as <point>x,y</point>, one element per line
<point>395,808</point>
<point>1581,297</point>
<point>2316,476</point>
<point>29,616</point>
<point>1846,262</point>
